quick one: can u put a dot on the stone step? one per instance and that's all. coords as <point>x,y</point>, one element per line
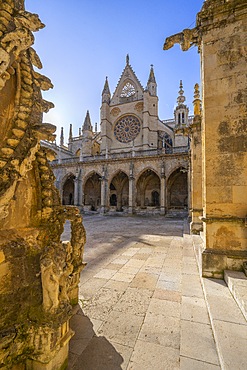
<point>237,284</point>
<point>228,323</point>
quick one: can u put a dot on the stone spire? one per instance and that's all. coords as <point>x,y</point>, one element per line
<point>197,101</point>
<point>181,98</point>
<point>87,123</point>
<point>70,133</point>
<point>181,111</point>
<point>151,75</point>
<point>61,137</point>
<point>127,60</point>
<point>106,95</point>
<point>152,85</point>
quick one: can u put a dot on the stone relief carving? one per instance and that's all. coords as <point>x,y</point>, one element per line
<point>139,107</point>
<point>115,111</point>
<point>41,273</point>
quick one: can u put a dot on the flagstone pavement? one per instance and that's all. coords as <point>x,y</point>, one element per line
<point>141,304</point>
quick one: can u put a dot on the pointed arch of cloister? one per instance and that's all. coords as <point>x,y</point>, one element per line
<point>119,190</point>
<point>67,189</point>
<point>148,189</point>
<point>92,191</point>
<point>177,188</point>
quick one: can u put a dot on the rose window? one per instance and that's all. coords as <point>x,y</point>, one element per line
<point>127,128</point>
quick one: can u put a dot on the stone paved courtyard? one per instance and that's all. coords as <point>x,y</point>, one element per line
<point>141,300</point>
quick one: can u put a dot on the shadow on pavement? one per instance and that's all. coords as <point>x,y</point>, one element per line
<point>89,351</point>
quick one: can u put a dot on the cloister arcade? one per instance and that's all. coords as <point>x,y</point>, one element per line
<point>147,191</point>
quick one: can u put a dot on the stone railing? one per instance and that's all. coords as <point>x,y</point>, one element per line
<point>131,154</point>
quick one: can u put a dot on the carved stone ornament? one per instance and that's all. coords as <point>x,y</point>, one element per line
<point>39,273</point>
<point>115,111</point>
<point>139,107</point>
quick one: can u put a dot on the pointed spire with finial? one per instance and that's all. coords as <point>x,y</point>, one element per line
<point>181,98</point>
<point>127,60</point>
<point>70,133</point>
<point>197,100</point>
<point>106,95</point>
<point>87,123</point>
<point>61,137</point>
<point>151,75</point>
<point>152,85</point>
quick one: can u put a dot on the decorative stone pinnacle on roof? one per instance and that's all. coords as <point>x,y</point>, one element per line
<point>127,59</point>
<point>61,137</point>
<point>181,98</point>
<point>70,133</point>
<point>197,100</point>
<point>151,75</point>
<point>106,89</point>
<point>87,123</point>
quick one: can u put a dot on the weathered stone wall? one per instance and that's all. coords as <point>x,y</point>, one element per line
<point>224,138</point>
<point>220,34</point>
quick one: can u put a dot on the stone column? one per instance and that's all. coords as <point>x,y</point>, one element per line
<point>131,190</point>
<point>196,224</point>
<point>104,191</point>
<point>189,188</point>
<point>76,198</point>
<point>162,191</point>
<point>80,189</point>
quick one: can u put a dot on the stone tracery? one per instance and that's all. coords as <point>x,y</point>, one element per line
<point>128,90</point>
<point>127,128</point>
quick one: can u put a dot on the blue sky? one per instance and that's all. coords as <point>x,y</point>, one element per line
<point>86,40</point>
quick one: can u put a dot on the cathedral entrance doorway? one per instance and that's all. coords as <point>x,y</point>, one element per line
<point>68,191</point>
<point>148,190</point>
<point>92,192</point>
<point>177,187</point>
<point>119,191</point>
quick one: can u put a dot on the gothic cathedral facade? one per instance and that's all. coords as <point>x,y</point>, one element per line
<point>135,163</point>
